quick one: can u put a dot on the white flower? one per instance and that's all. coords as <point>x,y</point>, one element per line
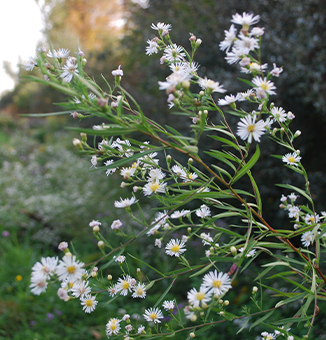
<point>229,99</point>
<point>276,70</point>
<point>45,268</point>
<point>89,303</point>
<point>294,212</point>
<point>38,285</point>
<point>292,196</point>
<point>94,224</point>
<point>80,288</point>
<point>124,285</point>
<point>69,70</point>
<point>140,329</point>
<point>264,84</point>
<point>203,211</point>
<point>245,44</point>
<point>257,32</point>
<point>94,162</point>
<point>153,188</point>
<point>283,198</point>
<point>210,85</point>
<point>124,203</point>
<point>291,159</point>
<point>161,27</point>
<point>119,259</point>
<point>202,296</point>
<point>178,214</point>
<point>152,47</point>
<point>139,291</point>
<point>230,36</point>
<point>175,247</point>
<point>63,294</point>
<point>174,53</point>
<point>118,72</point>
<point>245,19</point>
<point>234,56</point>
<point>279,114</point>
<point>30,64</point>
<point>168,305</point>
<point>312,219</point>
<point>248,128</point>
<point>113,291</point>
<point>70,269</point>
<point>153,315</point>
<point>112,170</point>
<point>217,283</point>
<point>113,327</point>
<point>158,243</point>
<point>268,336</point>
<point>307,238</point>
<point>206,239</point>
<point>155,174</point>
<point>116,224</point>
<point>253,67</point>
<point>251,253</point>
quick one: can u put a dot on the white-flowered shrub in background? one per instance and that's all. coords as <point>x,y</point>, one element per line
<point>190,197</point>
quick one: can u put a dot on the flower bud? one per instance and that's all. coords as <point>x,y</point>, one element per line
<point>77,143</point>
<point>221,313</point>
<point>109,277</point>
<point>254,290</point>
<point>193,317</point>
<point>226,302</point>
<point>220,301</point>
<point>233,250</point>
<point>192,335</point>
<point>96,229</point>
<point>186,84</point>
<point>101,102</point>
<point>190,161</point>
<point>83,136</point>
<point>198,43</point>
<point>68,253</point>
<point>189,230</point>
<point>100,244</point>
<point>297,134</point>
<point>202,314</point>
<point>122,185</point>
<point>204,305</point>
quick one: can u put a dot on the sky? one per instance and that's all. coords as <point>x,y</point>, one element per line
<point>20,30</point>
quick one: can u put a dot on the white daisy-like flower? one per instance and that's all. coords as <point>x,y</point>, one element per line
<point>264,84</point>
<point>154,188</point>
<point>158,243</point>
<point>210,85</point>
<point>175,247</point>
<point>189,177</point>
<point>178,170</point>
<point>69,70</point>
<point>118,72</point>
<point>283,198</point>
<point>116,224</point>
<point>174,53</point>
<point>140,329</point>
<point>160,26</point>
<point>139,291</point>
<point>218,283</point>
<point>30,64</point>
<point>155,174</point>
<point>206,239</point>
<point>127,172</point>
<point>94,224</point>
<point>312,219</point>
<point>203,211</point>
<point>242,96</point>
<point>234,56</point>
<point>246,44</point>
<point>113,327</point>
<point>173,80</point>
<point>178,214</point>
<point>268,336</point>
<point>63,294</point>
<point>276,71</point>
<point>307,238</point>
<point>279,114</point>
<point>45,268</point>
<point>112,170</point>
<point>293,196</point>
<point>230,36</point>
<point>291,159</point>
<point>69,268</point>
<point>294,212</point>
<point>119,259</point>
<point>113,291</point>
<point>124,285</point>
<point>202,296</point>
<point>153,315</point>
<point>38,285</point>
<point>227,100</point>
<point>248,129</point>
<point>79,288</point>
<point>88,302</point>
<point>62,53</point>
<point>257,32</point>
<point>168,305</point>
<point>245,20</point>
<point>152,47</point>
<point>254,67</point>
<point>124,203</point>
<point>251,253</point>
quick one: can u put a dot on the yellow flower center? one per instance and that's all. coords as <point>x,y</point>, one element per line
<point>153,316</point>
<point>217,283</point>
<point>140,291</point>
<point>125,284</point>
<point>291,159</point>
<point>265,86</point>
<point>175,248</point>
<point>312,219</point>
<point>18,278</point>
<point>134,165</point>
<point>89,303</point>
<point>113,326</point>
<point>46,269</point>
<point>251,128</point>
<point>200,296</point>
<point>71,269</point>
<point>190,176</point>
<point>154,186</point>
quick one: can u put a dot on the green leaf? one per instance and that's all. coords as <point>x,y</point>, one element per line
<point>248,166</point>
<point>164,294</point>
<point>146,264</point>
<point>260,320</point>
<point>203,270</point>
<point>45,114</point>
<point>291,299</point>
<point>257,194</point>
